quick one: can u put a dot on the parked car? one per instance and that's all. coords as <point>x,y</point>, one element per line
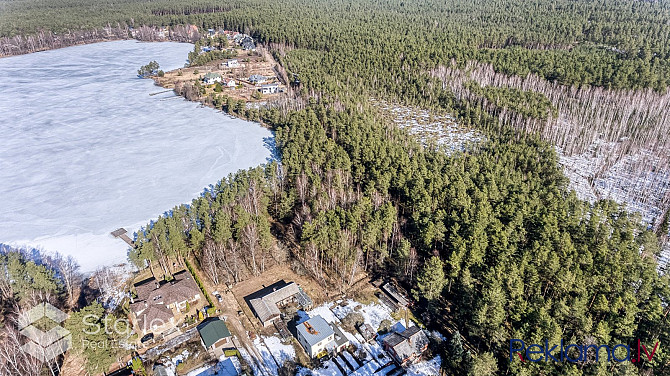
<point>147,338</point>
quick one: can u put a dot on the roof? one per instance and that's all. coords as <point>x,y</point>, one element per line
<point>395,294</point>
<point>152,315</point>
<point>212,330</point>
<point>266,305</point>
<point>152,293</point>
<point>407,343</point>
<point>264,310</point>
<point>314,330</point>
<point>212,75</point>
<point>340,338</point>
<point>257,77</point>
<point>367,331</point>
<point>283,293</point>
<point>270,85</point>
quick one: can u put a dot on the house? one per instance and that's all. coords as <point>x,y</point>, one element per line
<point>230,83</point>
<point>257,79</point>
<point>238,37</point>
<point>406,346</point>
<point>247,43</point>
<point>367,332</point>
<point>266,304</point>
<point>214,335</point>
<point>211,78</point>
<point>232,63</point>
<point>159,304</point>
<point>269,89</point>
<point>315,335</point>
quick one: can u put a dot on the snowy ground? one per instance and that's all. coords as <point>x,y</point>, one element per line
<point>376,358</point>
<point>86,149</point>
<point>442,130</point>
<point>274,352</point>
<point>227,366</point>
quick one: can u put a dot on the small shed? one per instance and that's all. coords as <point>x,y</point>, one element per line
<point>395,295</point>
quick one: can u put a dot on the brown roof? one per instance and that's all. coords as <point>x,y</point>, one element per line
<point>153,315</point>
<point>181,288</point>
<point>154,297</point>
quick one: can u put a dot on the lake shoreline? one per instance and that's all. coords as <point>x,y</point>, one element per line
<point>45,41</point>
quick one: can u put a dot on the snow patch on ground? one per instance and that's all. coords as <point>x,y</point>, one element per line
<point>250,361</point>
<point>425,368</point>
<point>441,130</point>
<point>280,352</point>
<point>227,366</point>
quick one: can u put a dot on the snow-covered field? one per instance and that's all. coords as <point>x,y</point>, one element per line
<point>86,149</point>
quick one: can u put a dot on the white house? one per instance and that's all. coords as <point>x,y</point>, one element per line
<point>232,63</point>
<point>211,78</point>
<point>269,89</point>
<point>231,83</point>
<point>315,335</point>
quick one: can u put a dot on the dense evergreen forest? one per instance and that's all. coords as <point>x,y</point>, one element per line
<point>490,242</point>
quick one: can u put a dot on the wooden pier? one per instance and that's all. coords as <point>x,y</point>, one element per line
<point>122,234</point>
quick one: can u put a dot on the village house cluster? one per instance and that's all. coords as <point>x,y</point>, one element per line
<point>250,73</point>
<point>164,311</point>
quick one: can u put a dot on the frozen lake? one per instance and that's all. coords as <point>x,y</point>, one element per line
<point>86,149</point>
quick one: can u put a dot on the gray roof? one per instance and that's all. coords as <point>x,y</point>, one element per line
<point>283,293</point>
<point>257,78</point>
<point>266,306</point>
<point>408,343</point>
<point>393,292</point>
<point>340,338</point>
<point>314,330</point>
<point>264,309</point>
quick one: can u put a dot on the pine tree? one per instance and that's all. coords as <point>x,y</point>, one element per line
<point>430,281</point>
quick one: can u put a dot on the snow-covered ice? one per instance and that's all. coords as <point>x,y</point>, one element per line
<point>86,149</point>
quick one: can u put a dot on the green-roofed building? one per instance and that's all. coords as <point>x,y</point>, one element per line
<point>215,335</point>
